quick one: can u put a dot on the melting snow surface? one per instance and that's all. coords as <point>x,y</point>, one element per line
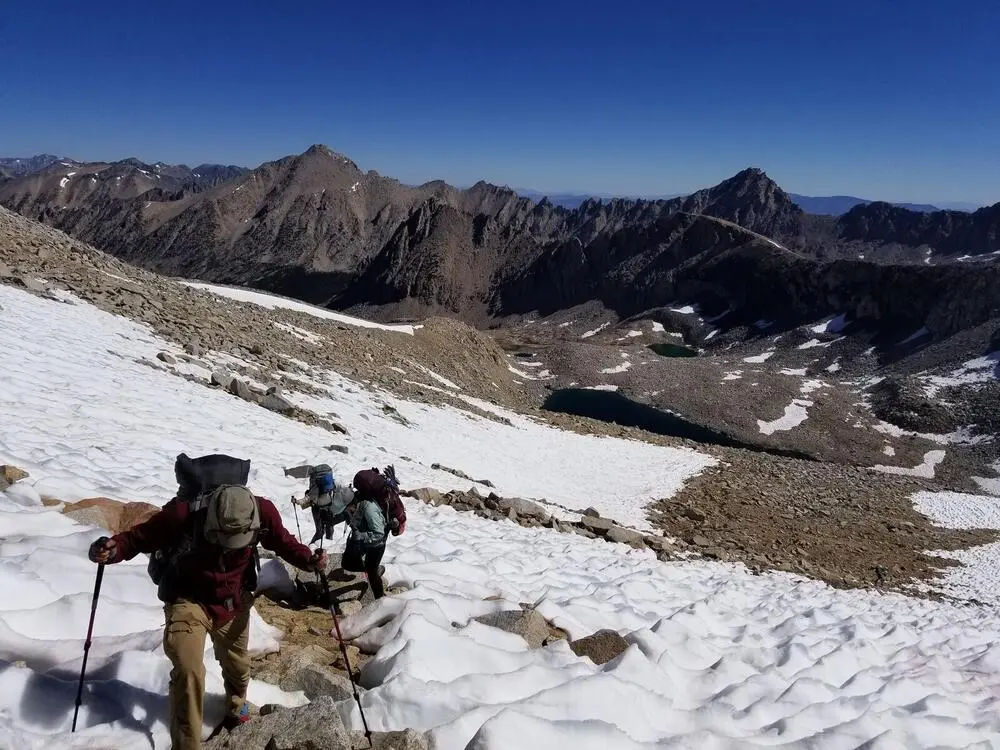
<point>686,310</point>
<point>795,414</point>
<point>271,302</point>
<point>604,387</point>
<point>658,327</point>
<point>976,577</point>
<point>718,658</point>
<point>759,358</point>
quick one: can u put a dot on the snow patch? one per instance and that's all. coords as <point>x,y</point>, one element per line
<point>270,302</point>
<point>914,336</point>
<point>925,469</point>
<point>596,331</point>
<point>300,333</point>
<point>759,358</point>
<point>795,414</point>
<point>835,324</point>
<point>618,369</point>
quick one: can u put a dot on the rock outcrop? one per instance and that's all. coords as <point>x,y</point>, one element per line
<point>315,726</point>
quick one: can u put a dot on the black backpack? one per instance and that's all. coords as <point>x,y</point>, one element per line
<point>199,481</point>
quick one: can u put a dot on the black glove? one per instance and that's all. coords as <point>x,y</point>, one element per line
<point>103,551</point>
<point>318,562</point>
<point>393,524</point>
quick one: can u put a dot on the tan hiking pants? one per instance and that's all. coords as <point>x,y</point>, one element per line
<point>187,624</point>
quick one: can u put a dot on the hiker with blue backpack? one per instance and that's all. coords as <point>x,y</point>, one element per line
<point>203,556</point>
<point>326,497</point>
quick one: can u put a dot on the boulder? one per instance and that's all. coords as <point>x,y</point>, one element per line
<point>316,726</point>
<point>339,448</point>
<point>241,390</point>
<point>274,402</point>
<point>92,516</point>
<point>109,514</point>
<point>626,536</point>
<point>601,647</point>
<point>30,283</point>
<point>193,348</point>
<point>9,475</point>
<point>526,623</point>
<point>693,513</point>
<point>659,543</point>
<point>427,495</point>
<point>135,513</point>
<point>523,508</point>
<point>221,379</point>
<point>596,524</point>
<point>592,512</point>
<point>315,681</point>
<point>166,358</point>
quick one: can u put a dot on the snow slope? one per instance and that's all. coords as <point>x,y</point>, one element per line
<point>272,301</point>
<point>719,658</point>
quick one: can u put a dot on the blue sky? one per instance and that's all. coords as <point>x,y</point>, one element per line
<point>891,100</point>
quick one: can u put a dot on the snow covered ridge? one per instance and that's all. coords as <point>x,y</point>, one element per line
<point>271,301</point>
<point>718,658</point>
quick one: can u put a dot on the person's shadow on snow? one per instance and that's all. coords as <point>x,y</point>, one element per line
<point>48,701</point>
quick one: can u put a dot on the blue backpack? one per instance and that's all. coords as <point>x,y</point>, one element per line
<point>321,478</point>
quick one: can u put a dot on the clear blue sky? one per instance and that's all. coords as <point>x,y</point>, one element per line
<point>898,100</point>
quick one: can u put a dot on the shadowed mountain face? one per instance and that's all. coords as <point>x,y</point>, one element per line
<point>317,227</point>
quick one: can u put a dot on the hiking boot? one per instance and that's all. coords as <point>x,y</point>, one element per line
<point>231,722</point>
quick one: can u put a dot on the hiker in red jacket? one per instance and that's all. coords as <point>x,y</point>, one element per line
<point>204,541</point>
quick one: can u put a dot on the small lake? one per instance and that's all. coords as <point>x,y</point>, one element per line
<point>673,350</point>
<point>613,407</point>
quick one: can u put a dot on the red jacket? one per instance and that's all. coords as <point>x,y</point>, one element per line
<point>209,575</point>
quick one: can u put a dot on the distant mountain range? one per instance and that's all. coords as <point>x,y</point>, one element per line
<point>834,205</point>
<point>317,227</point>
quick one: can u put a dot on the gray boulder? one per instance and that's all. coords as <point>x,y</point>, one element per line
<point>221,379</point>
<point>166,358</point>
<point>277,403</point>
<point>316,726</point>
<point>241,390</point>
<point>523,508</point>
<point>526,623</point>
<point>316,681</point>
<point>596,524</point>
<point>626,536</point>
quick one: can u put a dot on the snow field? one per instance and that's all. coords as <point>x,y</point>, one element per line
<point>718,658</point>
<point>271,301</point>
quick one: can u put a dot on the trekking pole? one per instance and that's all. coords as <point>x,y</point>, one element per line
<point>343,650</point>
<point>298,528</point>
<point>86,643</point>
